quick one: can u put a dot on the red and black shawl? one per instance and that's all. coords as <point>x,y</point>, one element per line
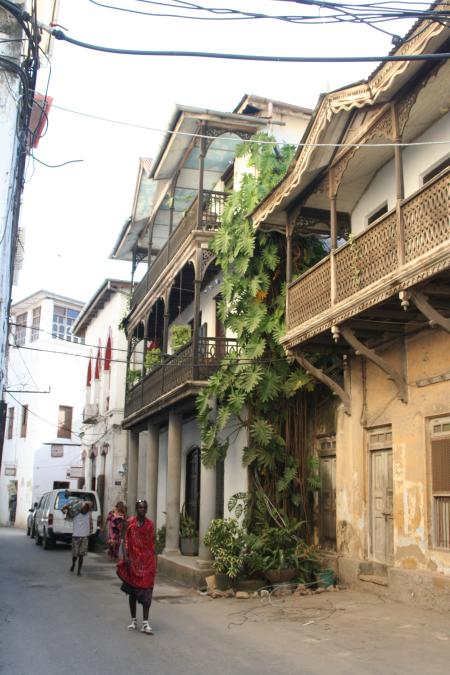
<point>140,549</point>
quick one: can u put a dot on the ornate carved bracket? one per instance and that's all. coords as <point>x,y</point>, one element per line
<point>322,377</point>
<point>434,317</point>
<point>371,355</point>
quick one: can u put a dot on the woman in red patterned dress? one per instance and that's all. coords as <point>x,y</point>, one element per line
<point>137,569</point>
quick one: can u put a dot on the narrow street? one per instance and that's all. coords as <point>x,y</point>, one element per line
<point>53,622</point>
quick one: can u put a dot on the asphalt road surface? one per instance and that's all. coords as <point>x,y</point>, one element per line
<point>53,622</point>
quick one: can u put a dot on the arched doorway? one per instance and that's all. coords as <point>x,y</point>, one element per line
<point>192,492</point>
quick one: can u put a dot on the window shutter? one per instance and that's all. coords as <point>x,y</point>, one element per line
<point>440,462</point>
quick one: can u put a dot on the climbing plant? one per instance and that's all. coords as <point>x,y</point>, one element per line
<point>256,385</point>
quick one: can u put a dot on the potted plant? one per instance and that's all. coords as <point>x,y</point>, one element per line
<point>188,535</point>
<point>152,358</point>
<point>180,336</point>
<point>133,376</point>
<point>160,539</point>
<point>225,538</point>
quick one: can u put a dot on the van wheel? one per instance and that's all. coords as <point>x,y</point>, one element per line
<point>47,543</point>
<point>38,540</point>
<point>28,531</point>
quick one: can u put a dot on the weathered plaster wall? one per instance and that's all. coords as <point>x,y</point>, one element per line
<point>374,404</point>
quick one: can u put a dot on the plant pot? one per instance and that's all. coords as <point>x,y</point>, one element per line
<point>223,581</point>
<point>280,576</point>
<point>325,578</point>
<point>189,545</point>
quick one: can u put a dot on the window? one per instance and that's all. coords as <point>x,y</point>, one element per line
<point>379,211</point>
<point>10,422</point>
<point>443,164</point>
<point>21,329</point>
<point>440,482</point>
<point>57,450</point>
<point>63,320</point>
<point>23,426</point>
<point>65,421</point>
<point>35,324</point>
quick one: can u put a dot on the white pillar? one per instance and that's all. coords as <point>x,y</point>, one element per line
<point>151,490</point>
<point>132,461</point>
<point>173,484</point>
<point>207,511</point>
<point>142,465</point>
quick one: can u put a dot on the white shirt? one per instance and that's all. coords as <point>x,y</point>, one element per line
<point>81,525</point>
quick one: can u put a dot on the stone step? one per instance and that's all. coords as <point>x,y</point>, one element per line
<point>374,579</point>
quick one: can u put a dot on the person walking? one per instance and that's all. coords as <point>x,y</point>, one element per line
<point>137,568</point>
<point>82,528</point>
<point>115,523</point>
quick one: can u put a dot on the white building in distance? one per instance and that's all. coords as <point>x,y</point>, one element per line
<point>104,442</point>
<point>44,400</point>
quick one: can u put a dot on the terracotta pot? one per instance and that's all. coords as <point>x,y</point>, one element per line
<point>280,576</point>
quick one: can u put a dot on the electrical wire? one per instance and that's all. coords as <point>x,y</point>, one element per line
<point>59,35</point>
<point>57,166</point>
<point>251,140</point>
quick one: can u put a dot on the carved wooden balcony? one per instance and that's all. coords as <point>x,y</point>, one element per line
<point>405,247</point>
<point>179,376</point>
<point>212,209</point>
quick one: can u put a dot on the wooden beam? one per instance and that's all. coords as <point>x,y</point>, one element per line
<point>322,377</point>
<point>371,355</point>
<point>434,317</point>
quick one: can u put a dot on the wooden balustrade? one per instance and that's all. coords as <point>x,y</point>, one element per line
<point>372,255</point>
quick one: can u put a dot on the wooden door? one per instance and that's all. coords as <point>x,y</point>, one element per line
<point>327,469</point>
<point>382,505</point>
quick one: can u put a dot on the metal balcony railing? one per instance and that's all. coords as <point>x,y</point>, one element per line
<point>177,370</point>
<point>212,209</point>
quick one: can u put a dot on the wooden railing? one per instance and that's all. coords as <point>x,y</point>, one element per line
<point>178,369</point>
<point>375,253</point>
<point>212,209</point>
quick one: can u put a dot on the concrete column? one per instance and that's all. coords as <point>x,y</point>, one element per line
<point>207,511</point>
<point>173,484</point>
<point>132,476</point>
<point>142,465</point>
<point>151,487</point>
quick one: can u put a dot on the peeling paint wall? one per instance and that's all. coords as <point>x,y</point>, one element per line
<point>375,404</point>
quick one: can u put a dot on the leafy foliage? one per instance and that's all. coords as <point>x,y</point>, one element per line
<point>253,387</point>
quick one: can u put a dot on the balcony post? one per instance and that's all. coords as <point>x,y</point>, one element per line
<point>196,327</point>
<point>201,169</point>
<point>172,199</point>
<point>151,483</point>
<point>399,183</point>
<point>207,511</point>
<point>165,340</point>
<point>289,231</point>
<point>333,236</point>
<point>132,473</point>
<point>173,484</point>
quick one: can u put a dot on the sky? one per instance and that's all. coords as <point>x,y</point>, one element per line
<point>72,214</point>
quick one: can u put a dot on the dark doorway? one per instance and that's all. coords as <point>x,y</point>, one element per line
<point>61,485</point>
<point>192,494</point>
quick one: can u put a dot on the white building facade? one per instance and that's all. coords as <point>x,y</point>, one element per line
<point>104,442</point>
<point>44,401</point>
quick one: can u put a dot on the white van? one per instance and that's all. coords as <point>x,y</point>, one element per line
<point>51,524</point>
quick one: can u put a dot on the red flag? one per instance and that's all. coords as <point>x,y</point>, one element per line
<point>108,353</point>
<point>89,374</point>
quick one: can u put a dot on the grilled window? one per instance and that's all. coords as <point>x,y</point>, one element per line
<point>440,482</point>
<point>23,426</point>
<point>10,422</point>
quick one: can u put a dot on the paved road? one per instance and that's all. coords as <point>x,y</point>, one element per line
<point>52,622</point>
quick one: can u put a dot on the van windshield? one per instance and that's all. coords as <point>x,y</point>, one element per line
<point>63,497</point>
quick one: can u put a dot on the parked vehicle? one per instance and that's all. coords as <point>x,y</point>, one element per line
<point>51,524</point>
<point>30,519</point>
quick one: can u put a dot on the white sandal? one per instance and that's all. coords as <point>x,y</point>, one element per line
<point>133,625</point>
<point>146,628</point>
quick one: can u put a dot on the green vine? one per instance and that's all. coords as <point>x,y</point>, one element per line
<point>256,384</point>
